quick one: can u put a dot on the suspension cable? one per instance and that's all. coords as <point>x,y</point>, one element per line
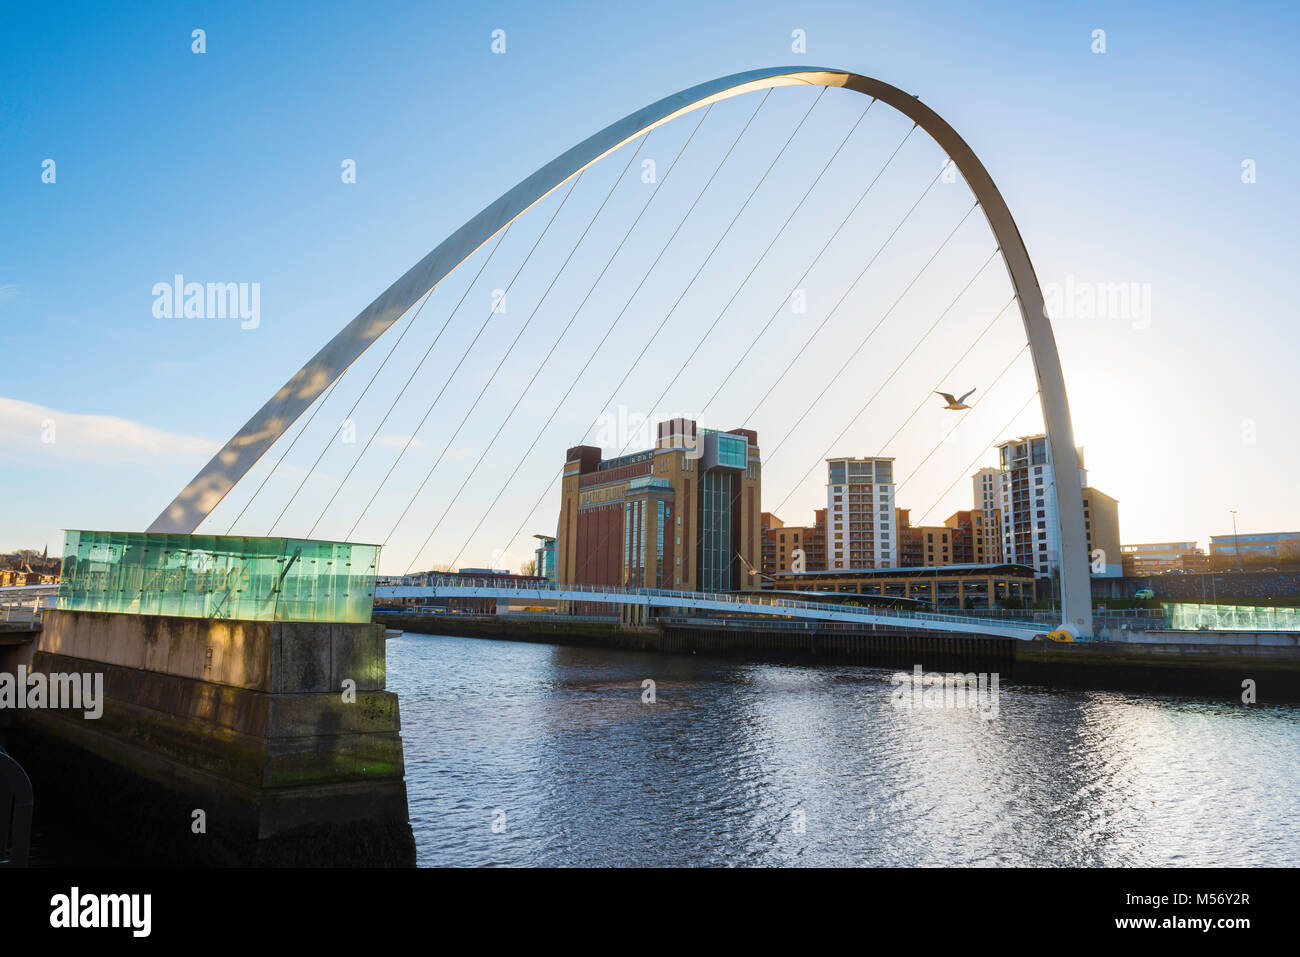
<point>591,289</point>
<point>943,378</point>
<point>853,355</point>
<point>356,402</point>
<point>319,405</point>
<point>897,368</point>
<point>762,179</point>
<point>613,186</point>
<point>975,461</point>
<point>488,447</point>
<point>853,285</point>
<point>558,209</point>
<point>816,259</point>
<point>691,353</point>
<point>799,205</point>
<point>960,419</point>
<point>658,186</point>
<point>906,289</point>
<point>468,349</point>
<point>546,490</point>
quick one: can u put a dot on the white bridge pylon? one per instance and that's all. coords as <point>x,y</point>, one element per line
<point>757,605</point>
<point>206,490</point>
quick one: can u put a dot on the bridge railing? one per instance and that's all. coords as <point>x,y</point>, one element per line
<point>688,598</point>
<point>25,603</point>
<point>772,624</point>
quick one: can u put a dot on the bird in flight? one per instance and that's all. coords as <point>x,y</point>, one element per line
<point>956,404</point>
<point>754,572</point>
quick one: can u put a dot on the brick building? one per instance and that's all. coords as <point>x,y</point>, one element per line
<point>684,514</point>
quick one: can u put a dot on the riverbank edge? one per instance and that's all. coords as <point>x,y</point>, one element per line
<point>1223,674</point>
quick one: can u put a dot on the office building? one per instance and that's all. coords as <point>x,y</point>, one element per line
<point>1157,558</point>
<point>1259,546</point>
<point>544,557</point>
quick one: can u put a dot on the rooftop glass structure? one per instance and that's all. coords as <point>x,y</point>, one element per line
<point>217,576</point>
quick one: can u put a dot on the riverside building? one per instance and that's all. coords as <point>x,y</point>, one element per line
<point>682,515</point>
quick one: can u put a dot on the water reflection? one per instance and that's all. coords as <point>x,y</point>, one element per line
<point>767,764</point>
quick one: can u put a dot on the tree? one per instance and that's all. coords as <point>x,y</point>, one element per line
<point>529,567</point>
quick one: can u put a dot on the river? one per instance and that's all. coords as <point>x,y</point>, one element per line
<point>526,755</point>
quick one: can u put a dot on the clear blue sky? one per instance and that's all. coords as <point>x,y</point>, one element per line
<point>1119,167</point>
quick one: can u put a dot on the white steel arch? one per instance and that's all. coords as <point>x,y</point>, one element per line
<point>233,461</point>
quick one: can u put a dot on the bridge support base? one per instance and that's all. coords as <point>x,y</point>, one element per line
<point>220,742</point>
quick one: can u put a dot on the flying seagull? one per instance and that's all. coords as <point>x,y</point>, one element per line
<point>956,404</point>
<point>754,572</point>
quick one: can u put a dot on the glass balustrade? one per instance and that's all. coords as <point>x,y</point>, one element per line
<point>217,576</point>
<point>1190,616</point>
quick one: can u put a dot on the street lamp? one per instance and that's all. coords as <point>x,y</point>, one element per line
<point>1236,542</point>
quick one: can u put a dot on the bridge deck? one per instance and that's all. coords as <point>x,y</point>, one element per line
<point>757,604</point>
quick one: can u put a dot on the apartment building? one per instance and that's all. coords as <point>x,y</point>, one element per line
<point>860,521</point>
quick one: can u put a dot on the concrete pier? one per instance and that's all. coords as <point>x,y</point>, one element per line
<point>220,742</point>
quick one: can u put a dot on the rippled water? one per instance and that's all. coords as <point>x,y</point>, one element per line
<point>763,764</point>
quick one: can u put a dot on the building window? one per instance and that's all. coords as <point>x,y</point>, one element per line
<point>659,544</point>
<point>714,550</point>
<point>627,536</point>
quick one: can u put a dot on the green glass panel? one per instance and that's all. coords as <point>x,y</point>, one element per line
<point>215,576</point>
<point>1191,616</point>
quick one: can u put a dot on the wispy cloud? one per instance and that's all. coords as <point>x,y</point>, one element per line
<point>26,427</point>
